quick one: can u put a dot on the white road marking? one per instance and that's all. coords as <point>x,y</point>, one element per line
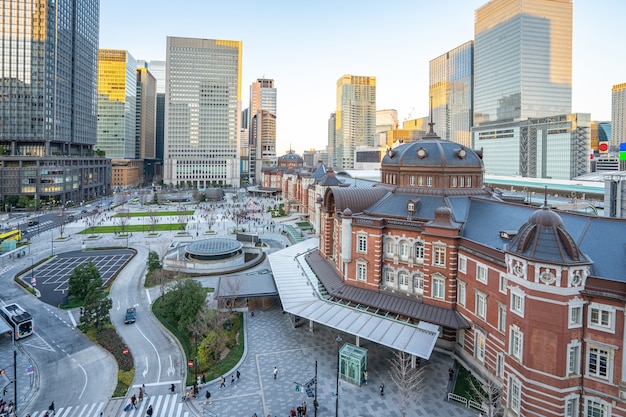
<point>145,370</point>
<point>69,313</point>
<point>155,351</point>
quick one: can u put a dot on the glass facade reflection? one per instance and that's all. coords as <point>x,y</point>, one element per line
<point>202,112</point>
<point>48,63</point>
<point>451,90</point>
<point>522,60</point>
<point>117,103</point>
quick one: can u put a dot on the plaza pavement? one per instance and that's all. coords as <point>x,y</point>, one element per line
<point>272,341</point>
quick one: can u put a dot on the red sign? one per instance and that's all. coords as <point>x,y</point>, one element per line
<point>125,351</point>
<point>603,146</point>
<point>190,363</point>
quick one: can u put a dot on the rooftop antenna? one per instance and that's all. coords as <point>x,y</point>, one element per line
<point>545,196</point>
<point>431,132</point>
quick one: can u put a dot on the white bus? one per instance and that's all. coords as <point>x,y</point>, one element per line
<point>20,320</point>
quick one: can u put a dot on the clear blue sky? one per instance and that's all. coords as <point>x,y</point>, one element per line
<point>305,46</point>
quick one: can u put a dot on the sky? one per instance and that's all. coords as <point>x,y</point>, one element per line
<point>306,46</point>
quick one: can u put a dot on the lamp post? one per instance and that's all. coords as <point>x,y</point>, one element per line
<point>337,389</point>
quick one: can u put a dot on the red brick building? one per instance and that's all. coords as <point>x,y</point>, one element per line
<point>527,298</point>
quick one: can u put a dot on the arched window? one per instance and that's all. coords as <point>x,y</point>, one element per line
<point>404,250</point>
<point>419,251</point>
<point>390,248</point>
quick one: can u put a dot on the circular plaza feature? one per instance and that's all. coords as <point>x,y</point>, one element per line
<point>216,249</point>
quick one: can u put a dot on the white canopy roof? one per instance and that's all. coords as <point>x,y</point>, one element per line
<point>295,282</point>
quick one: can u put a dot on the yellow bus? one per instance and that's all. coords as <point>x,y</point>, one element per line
<point>15,234</point>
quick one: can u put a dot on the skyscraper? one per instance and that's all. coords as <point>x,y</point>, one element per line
<point>157,68</point>
<point>202,112</point>
<point>522,60</point>
<point>48,67</point>
<point>145,135</point>
<point>262,132</point>
<point>355,120</point>
<point>451,92</point>
<point>117,102</point>
<point>618,116</point>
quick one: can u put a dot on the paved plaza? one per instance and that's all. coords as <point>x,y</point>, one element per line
<point>272,341</point>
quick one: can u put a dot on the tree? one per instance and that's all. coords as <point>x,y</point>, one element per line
<point>81,278</point>
<point>488,395</point>
<point>123,220</point>
<point>182,219</point>
<point>216,338</point>
<point>96,308</point>
<point>153,262</point>
<point>92,221</point>
<point>407,378</point>
<point>63,221</point>
<point>154,220</point>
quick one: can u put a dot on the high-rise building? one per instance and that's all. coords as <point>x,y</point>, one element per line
<point>145,136</point>
<point>522,60</point>
<point>48,73</point>
<point>262,132</point>
<point>451,89</point>
<point>117,103</point>
<point>618,116</point>
<point>331,147</point>
<point>355,121</point>
<point>157,69</point>
<point>386,120</point>
<point>202,112</point>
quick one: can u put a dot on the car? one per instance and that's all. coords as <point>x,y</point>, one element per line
<point>33,222</point>
<point>131,313</point>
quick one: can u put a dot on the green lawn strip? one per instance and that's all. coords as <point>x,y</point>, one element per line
<point>156,213</point>
<point>134,228</point>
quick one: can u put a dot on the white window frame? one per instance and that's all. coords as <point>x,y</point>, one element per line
<point>596,407</point>
<point>468,181</point>
<point>361,243</point>
<point>420,181</point>
<point>571,406</point>
<point>516,343</point>
<point>504,282</point>
<point>462,264</point>
<point>389,277</point>
<point>482,273</point>
<point>502,317</point>
<point>518,301</point>
<point>419,250</point>
<point>480,345</point>
<point>454,182</point>
<point>361,271</point>
<point>601,317</point>
<point>429,181</point>
<point>596,354</point>
<point>481,305</point>
<point>412,180</point>
<point>574,349</point>
<point>390,244</point>
<point>439,255</point>
<point>461,293</point>
<point>575,314</point>
<point>439,288</point>
<point>404,250</point>
<point>515,395</point>
<point>418,280</point>
<point>403,276</point>
<point>500,365</point>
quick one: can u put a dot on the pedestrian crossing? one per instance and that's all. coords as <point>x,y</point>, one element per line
<point>169,405</point>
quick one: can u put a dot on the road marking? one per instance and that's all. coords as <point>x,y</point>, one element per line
<point>148,295</point>
<point>145,370</point>
<point>69,313</point>
<point>86,378</point>
<point>171,370</point>
<point>155,351</point>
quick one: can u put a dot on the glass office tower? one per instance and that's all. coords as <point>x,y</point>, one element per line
<point>48,64</point>
<point>202,112</point>
<point>117,103</point>
<point>451,89</point>
<point>355,118</point>
<point>262,132</point>
<point>522,60</point>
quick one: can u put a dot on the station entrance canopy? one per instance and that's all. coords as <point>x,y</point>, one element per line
<point>296,284</point>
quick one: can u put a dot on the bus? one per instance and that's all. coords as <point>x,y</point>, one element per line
<point>20,320</point>
<point>15,234</point>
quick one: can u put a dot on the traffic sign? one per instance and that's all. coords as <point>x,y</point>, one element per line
<point>33,281</point>
<point>297,388</point>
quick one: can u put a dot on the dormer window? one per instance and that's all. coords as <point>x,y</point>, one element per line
<point>410,207</point>
<point>461,153</point>
<point>422,153</point>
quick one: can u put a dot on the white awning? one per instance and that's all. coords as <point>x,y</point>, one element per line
<point>295,280</point>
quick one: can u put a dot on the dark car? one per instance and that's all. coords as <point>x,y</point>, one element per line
<point>33,222</point>
<point>130,315</point>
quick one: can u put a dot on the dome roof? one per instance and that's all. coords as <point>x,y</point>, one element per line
<point>291,156</point>
<point>544,238</point>
<point>432,151</point>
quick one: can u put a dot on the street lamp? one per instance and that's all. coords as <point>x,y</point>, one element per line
<point>337,389</point>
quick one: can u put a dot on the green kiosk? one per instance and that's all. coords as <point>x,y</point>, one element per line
<point>352,363</point>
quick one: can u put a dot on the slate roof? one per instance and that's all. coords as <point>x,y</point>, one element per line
<point>440,153</point>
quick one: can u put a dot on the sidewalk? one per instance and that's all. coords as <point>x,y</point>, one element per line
<point>272,341</point>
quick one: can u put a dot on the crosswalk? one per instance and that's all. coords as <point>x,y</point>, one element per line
<point>169,405</point>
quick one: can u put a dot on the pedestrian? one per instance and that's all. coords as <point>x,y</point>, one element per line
<point>293,412</point>
<point>51,408</point>
<point>450,374</point>
<point>149,411</point>
<point>172,388</point>
<point>275,372</point>
<point>207,397</point>
<point>238,374</point>
<point>133,401</point>
<point>304,409</point>
<point>382,389</point>
<point>203,379</point>
<point>232,379</point>
<point>299,411</point>
<point>140,394</point>
<point>222,382</point>
<point>365,376</point>
<point>143,386</point>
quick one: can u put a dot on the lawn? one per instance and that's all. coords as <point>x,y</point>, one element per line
<point>134,228</point>
<point>156,213</point>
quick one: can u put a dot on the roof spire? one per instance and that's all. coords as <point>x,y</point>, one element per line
<point>431,133</point>
<point>545,196</point>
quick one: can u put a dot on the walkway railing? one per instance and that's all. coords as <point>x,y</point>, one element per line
<point>466,402</point>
